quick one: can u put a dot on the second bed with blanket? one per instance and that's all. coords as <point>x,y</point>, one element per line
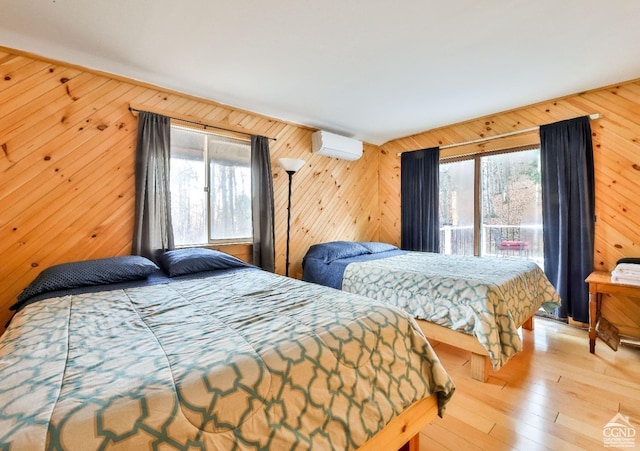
<point>486,298</point>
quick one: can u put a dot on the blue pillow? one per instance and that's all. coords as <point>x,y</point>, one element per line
<point>334,250</point>
<point>193,260</point>
<point>376,247</point>
<point>101,271</point>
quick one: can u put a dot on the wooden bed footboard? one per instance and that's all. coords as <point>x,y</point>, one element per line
<point>480,362</point>
<point>403,432</point>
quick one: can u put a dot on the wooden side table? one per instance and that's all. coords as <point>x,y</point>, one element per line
<point>599,283</point>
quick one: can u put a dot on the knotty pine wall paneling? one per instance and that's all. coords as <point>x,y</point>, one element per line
<point>67,153</point>
<point>616,140</point>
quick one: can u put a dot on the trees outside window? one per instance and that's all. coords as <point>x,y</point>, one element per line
<point>491,205</point>
<point>210,188</point>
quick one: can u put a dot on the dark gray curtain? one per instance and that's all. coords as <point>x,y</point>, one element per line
<point>153,233</point>
<point>262,209</point>
<point>568,212</point>
<point>420,200</point>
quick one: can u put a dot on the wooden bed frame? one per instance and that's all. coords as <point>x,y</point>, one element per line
<point>403,432</point>
<point>480,361</point>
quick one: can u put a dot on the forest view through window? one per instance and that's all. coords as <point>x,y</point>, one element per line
<point>491,206</point>
<point>210,178</point>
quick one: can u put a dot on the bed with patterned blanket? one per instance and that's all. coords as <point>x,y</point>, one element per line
<point>488,298</point>
<point>218,356</point>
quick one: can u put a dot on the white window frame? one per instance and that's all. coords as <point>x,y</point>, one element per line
<point>207,189</point>
<point>477,207</point>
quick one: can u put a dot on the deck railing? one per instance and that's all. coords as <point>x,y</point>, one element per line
<point>459,240</point>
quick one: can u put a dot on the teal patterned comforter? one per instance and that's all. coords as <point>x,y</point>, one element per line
<point>245,360</point>
<point>486,297</point>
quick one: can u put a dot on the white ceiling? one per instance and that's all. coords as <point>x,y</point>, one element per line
<point>370,69</point>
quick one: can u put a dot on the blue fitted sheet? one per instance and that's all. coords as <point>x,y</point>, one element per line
<point>330,274</point>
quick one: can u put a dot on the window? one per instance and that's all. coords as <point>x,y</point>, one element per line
<point>491,205</point>
<point>457,207</point>
<point>210,188</point>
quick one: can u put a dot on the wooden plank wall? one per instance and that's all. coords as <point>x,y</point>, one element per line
<point>616,139</point>
<point>67,144</point>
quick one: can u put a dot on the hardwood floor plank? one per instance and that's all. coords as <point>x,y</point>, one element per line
<point>553,395</point>
<point>456,435</point>
<point>474,414</point>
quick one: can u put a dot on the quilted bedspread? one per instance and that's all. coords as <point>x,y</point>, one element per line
<point>486,297</point>
<point>245,360</point>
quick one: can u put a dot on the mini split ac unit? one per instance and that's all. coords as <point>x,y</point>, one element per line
<point>330,145</point>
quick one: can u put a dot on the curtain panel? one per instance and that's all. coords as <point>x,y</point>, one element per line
<point>153,233</point>
<point>262,209</point>
<point>420,200</point>
<point>568,212</point>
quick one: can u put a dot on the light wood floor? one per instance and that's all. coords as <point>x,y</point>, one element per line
<point>554,395</point>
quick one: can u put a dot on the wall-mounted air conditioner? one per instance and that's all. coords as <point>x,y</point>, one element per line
<point>331,145</point>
